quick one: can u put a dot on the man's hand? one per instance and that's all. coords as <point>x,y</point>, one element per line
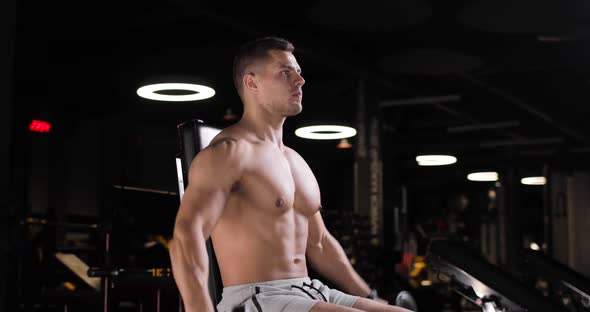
<point>381,300</point>
<point>374,296</point>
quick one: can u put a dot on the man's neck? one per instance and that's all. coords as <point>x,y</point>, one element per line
<point>264,126</point>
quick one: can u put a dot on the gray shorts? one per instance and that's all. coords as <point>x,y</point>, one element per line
<point>288,295</point>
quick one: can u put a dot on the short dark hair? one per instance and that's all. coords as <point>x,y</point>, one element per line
<point>255,50</point>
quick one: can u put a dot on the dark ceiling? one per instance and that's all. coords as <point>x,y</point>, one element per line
<point>486,80</point>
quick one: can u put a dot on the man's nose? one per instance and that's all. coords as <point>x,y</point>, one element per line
<point>300,81</point>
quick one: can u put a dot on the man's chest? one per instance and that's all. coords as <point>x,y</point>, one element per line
<point>278,181</point>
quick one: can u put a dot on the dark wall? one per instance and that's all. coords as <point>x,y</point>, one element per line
<point>7,27</point>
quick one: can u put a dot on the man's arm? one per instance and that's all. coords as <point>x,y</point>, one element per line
<point>326,256</point>
<point>211,176</point>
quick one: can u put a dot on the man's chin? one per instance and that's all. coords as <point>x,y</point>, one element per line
<point>294,110</point>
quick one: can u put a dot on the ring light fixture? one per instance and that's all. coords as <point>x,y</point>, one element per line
<point>325,132</point>
<point>198,92</point>
<point>490,176</point>
<point>435,160</point>
<point>533,181</point>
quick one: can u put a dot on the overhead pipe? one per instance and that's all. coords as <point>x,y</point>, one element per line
<point>526,107</point>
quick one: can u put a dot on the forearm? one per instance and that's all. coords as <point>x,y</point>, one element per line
<point>331,262</point>
<point>190,266</point>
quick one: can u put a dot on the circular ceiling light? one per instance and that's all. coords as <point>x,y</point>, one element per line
<point>533,181</point>
<point>197,92</point>
<point>325,132</point>
<point>435,160</point>
<point>483,176</point>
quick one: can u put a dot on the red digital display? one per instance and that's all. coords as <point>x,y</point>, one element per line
<point>39,126</point>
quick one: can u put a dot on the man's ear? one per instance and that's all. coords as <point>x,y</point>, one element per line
<point>250,83</point>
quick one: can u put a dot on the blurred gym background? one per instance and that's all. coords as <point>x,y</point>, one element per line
<point>89,184</point>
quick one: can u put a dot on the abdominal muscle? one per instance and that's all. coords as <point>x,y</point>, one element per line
<point>256,245</point>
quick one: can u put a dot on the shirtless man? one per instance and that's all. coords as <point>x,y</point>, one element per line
<point>260,203</point>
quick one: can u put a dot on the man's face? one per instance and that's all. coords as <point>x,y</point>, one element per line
<point>279,83</point>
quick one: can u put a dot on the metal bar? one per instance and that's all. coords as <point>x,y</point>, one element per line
<point>541,152</point>
<point>469,118</point>
<point>577,290</point>
<point>421,100</point>
<point>107,248</point>
<point>141,189</point>
<point>540,141</point>
<point>158,300</point>
<point>548,215</point>
<point>180,177</point>
<point>69,225</point>
<point>484,126</point>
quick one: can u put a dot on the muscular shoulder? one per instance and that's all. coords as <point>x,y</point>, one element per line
<point>293,155</point>
<point>296,159</point>
<point>229,140</point>
<point>223,143</point>
<point>224,157</point>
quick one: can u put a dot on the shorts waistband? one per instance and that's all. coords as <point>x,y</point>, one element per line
<point>289,281</point>
<point>268,283</point>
